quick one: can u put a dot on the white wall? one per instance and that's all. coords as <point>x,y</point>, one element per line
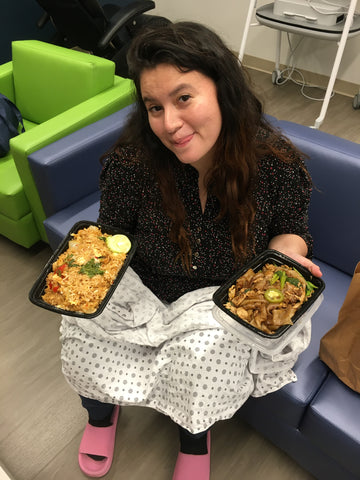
<point>228,18</point>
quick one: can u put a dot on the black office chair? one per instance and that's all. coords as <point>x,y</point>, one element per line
<point>104,30</point>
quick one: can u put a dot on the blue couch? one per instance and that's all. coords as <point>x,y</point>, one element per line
<point>316,419</point>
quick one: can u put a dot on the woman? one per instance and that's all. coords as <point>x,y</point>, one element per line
<point>205,184</point>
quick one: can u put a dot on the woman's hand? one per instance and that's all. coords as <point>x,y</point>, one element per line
<point>295,247</point>
<point>305,262</point>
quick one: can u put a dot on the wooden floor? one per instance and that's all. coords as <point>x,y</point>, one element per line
<point>41,420</point>
<point>286,102</point>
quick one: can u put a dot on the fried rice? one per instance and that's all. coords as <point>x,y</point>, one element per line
<point>82,275</point>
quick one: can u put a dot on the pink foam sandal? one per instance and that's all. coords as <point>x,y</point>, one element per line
<point>98,441</point>
<point>193,467</point>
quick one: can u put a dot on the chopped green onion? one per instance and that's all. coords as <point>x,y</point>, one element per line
<point>310,287</point>
<point>293,281</point>
<point>274,278</point>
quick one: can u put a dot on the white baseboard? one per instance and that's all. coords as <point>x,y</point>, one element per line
<point>4,475</point>
<point>341,86</point>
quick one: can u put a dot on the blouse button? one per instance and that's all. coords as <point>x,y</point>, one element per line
<point>194,267</point>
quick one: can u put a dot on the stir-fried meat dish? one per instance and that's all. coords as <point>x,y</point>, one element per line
<point>83,274</point>
<point>269,298</point>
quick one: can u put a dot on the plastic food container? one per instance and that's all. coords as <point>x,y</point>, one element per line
<point>265,342</point>
<point>37,290</point>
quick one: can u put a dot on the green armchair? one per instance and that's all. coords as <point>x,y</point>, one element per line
<point>58,91</point>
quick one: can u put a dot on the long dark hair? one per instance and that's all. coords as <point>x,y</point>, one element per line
<point>190,46</point>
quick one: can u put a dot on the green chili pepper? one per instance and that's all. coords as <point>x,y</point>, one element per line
<point>273,295</point>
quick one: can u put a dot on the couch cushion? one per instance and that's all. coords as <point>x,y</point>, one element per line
<point>57,226</point>
<point>23,231</point>
<point>28,125</point>
<point>332,423</point>
<point>13,201</point>
<point>50,79</point>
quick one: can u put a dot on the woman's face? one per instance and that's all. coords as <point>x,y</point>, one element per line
<point>183,112</point>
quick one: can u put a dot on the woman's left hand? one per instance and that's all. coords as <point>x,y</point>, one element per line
<point>305,262</point>
<point>295,247</point>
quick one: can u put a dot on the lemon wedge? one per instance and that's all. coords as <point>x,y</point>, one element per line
<point>118,243</point>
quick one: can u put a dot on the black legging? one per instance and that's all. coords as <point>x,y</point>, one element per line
<point>97,411</point>
<point>100,413</point>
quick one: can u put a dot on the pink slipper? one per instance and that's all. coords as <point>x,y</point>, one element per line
<point>193,467</point>
<point>98,441</point>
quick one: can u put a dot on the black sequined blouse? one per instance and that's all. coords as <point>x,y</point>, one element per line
<point>131,200</point>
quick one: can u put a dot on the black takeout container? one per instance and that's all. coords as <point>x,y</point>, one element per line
<point>220,297</point>
<point>37,290</point>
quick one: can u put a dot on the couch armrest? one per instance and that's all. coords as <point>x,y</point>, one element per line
<point>100,106</point>
<point>74,161</point>
<point>57,226</point>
